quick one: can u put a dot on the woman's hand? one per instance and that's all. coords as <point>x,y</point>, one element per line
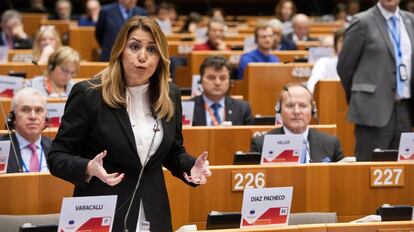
<point>95,168</point>
<point>200,171</point>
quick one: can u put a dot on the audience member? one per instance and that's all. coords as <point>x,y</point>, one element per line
<point>111,18</point>
<point>264,38</point>
<point>164,17</point>
<point>46,41</point>
<point>36,6</point>
<point>62,66</point>
<point>63,11</point>
<point>301,25</point>
<point>340,13</point>
<point>353,8</point>
<point>13,35</point>
<point>325,67</point>
<point>27,120</point>
<point>192,23</point>
<point>280,42</point>
<point>215,33</point>
<point>284,11</point>
<point>375,67</point>
<point>214,106</point>
<point>297,107</point>
<point>150,6</point>
<point>218,13</point>
<point>92,13</point>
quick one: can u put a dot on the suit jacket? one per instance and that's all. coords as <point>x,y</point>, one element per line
<point>12,165</point>
<point>17,43</point>
<point>237,111</point>
<point>89,126</point>
<point>366,66</point>
<point>109,23</point>
<point>323,147</point>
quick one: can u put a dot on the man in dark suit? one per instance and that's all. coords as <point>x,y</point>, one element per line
<point>375,67</point>
<point>296,107</point>
<point>111,18</point>
<point>214,107</point>
<point>28,119</point>
<point>301,25</point>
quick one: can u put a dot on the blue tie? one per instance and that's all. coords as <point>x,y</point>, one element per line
<point>396,39</point>
<point>304,151</point>
<point>216,107</point>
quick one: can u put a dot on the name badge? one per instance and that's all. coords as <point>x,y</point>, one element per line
<point>403,72</point>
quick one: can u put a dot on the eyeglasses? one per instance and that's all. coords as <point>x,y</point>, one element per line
<point>68,72</point>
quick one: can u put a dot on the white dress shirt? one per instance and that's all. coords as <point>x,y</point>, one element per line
<point>143,124</point>
<point>26,153</point>
<point>305,138</point>
<point>406,47</point>
<point>221,110</point>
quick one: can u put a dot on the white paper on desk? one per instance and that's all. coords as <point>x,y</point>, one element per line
<point>282,149</point>
<point>188,112</point>
<point>10,85</point>
<point>249,44</point>
<point>266,207</point>
<point>196,88</point>
<point>55,113</point>
<point>406,149</point>
<point>87,214</point>
<point>4,155</point>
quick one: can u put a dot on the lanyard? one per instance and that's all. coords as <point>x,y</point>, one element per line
<point>211,113</point>
<point>25,169</point>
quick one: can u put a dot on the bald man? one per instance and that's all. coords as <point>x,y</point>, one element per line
<point>301,25</point>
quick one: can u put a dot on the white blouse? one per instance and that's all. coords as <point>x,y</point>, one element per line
<point>143,124</point>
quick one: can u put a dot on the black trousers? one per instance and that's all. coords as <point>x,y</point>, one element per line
<point>388,137</point>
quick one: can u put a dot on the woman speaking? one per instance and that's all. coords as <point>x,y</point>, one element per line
<point>120,128</point>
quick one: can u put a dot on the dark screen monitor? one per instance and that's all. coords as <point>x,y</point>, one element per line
<point>247,158</point>
<point>384,155</point>
<point>185,91</point>
<point>17,74</point>
<point>223,220</point>
<point>395,213</point>
<point>40,228</point>
<point>264,120</point>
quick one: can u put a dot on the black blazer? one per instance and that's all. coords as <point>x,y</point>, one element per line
<point>237,111</point>
<point>108,25</point>
<point>322,145</point>
<point>12,165</point>
<point>89,126</point>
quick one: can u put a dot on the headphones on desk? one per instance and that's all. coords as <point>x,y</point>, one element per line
<point>278,106</point>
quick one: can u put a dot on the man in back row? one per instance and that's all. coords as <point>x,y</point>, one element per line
<point>214,106</point>
<point>297,107</point>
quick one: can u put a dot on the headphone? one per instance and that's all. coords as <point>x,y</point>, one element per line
<point>314,109</point>
<point>11,118</point>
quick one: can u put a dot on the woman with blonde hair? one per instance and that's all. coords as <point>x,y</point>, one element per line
<point>46,41</point>
<point>122,127</point>
<point>62,66</point>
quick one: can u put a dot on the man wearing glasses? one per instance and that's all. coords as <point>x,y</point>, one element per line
<point>214,107</point>
<point>26,122</point>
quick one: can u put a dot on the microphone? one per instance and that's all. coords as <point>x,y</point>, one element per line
<point>19,166</point>
<point>155,130</point>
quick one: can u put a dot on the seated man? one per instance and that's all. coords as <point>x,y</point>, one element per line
<point>214,106</point>
<point>301,25</point>
<point>280,42</point>
<point>12,33</point>
<point>28,118</point>
<point>264,37</point>
<point>215,33</point>
<point>296,107</point>
<point>63,11</point>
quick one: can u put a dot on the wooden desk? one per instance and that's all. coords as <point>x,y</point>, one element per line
<point>341,188</point>
<point>86,69</point>
<point>395,226</point>
<point>332,109</point>
<point>270,78</point>
<point>220,142</point>
<point>31,22</point>
<point>82,39</point>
